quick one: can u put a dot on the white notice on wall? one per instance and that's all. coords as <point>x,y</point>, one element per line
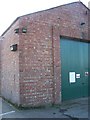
<point>77,75</point>
<point>72,77</point>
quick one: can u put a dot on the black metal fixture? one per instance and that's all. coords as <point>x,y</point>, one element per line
<point>58,17</point>
<point>24,30</point>
<point>16,30</point>
<point>83,23</point>
<point>13,47</point>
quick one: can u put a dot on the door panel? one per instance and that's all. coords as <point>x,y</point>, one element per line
<point>74,58</point>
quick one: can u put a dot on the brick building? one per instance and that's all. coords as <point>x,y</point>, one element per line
<point>32,74</point>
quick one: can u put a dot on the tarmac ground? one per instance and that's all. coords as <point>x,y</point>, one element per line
<point>71,110</point>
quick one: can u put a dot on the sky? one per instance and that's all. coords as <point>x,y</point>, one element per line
<point>11,9</point>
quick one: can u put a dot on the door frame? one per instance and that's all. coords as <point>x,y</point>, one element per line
<point>72,39</point>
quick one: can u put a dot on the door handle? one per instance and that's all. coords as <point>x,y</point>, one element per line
<point>86,73</point>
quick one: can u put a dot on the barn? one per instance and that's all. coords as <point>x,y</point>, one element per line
<point>44,56</point>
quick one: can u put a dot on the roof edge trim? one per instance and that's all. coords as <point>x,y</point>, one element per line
<point>43,11</point>
<point>10,26</point>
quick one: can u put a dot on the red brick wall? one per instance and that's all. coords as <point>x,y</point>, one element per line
<point>36,65</point>
<point>67,18</point>
<point>10,66</point>
<point>36,77</point>
<point>39,59</point>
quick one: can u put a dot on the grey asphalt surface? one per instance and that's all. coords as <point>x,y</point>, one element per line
<point>71,109</point>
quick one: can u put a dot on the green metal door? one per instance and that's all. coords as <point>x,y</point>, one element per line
<point>74,69</point>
